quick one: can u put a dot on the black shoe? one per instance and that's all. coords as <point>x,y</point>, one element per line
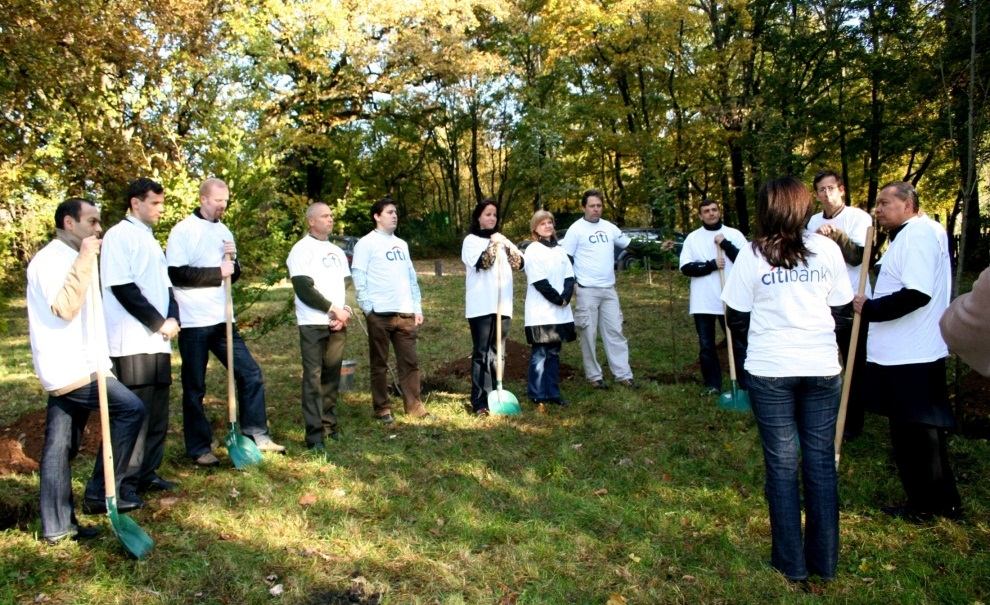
<point>386,418</point>
<point>629,383</point>
<point>558,401</point>
<point>907,513</point>
<point>599,384</point>
<point>86,532</point>
<point>953,513</point>
<point>99,507</point>
<point>156,484</point>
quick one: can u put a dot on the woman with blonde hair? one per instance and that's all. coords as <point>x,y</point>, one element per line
<point>549,321</point>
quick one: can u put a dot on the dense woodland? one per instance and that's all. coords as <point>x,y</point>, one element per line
<point>440,103</point>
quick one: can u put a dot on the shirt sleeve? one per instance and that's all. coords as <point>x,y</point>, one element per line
<point>841,292</point>
<point>414,290</point>
<point>738,292</point>
<point>360,279</point>
<point>620,239</point>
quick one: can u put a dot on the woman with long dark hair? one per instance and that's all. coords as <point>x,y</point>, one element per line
<point>488,277</point>
<point>794,287</point>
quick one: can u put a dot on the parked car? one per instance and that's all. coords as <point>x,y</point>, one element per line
<point>345,243</point>
<point>660,246</point>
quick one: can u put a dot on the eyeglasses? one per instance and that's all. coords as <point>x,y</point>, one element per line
<point>827,189</point>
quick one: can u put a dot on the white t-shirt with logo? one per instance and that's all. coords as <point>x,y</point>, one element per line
<point>326,264</point>
<point>791,330</point>
<point>699,247</point>
<point>551,264</point>
<point>482,289</point>
<point>387,265</point>
<point>64,352</point>
<point>854,223</point>
<point>196,242</point>
<point>592,245</point>
<point>130,254</point>
<point>915,260</point>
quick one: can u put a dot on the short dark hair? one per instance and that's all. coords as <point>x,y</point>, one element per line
<point>590,194</point>
<point>139,189</point>
<point>379,206</point>
<point>70,207</point>
<point>905,191</point>
<point>706,201</point>
<point>479,209</point>
<point>824,174</point>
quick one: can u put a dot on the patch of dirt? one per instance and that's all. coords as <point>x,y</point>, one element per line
<point>360,592</point>
<point>972,407</point>
<point>456,375</point>
<point>22,440</point>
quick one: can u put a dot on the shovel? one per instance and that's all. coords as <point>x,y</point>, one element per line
<point>736,400</point>
<point>243,452</point>
<point>500,401</point>
<point>135,540</point>
<point>840,422</point>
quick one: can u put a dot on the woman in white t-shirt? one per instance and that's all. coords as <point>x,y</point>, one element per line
<point>549,320</point>
<point>793,285</point>
<point>488,290</point>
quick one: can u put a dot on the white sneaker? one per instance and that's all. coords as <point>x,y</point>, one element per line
<point>265,444</point>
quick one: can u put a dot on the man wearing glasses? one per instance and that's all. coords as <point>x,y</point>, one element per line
<point>846,226</point>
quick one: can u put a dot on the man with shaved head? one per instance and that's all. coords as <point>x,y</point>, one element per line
<point>318,269</point>
<point>201,254</point>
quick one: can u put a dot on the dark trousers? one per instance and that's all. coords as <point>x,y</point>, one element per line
<point>195,345</point>
<point>401,331</point>
<point>856,408</point>
<point>922,458</point>
<point>322,355</point>
<point>152,386</point>
<point>484,356</point>
<point>65,421</point>
<point>711,371</point>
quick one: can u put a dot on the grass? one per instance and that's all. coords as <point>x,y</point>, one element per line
<point>645,496</point>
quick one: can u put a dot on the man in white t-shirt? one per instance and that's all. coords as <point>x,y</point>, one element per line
<point>201,254</point>
<point>68,346</point>
<point>142,319</point>
<point>847,226</point>
<point>700,261</point>
<point>388,293</point>
<point>906,355</point>
<point>317,269</point>
<point>591,242</point>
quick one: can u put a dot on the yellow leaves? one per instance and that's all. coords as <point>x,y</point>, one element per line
<point>616,599</point>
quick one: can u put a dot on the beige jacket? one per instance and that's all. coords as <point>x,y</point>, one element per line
<point>966,325</point>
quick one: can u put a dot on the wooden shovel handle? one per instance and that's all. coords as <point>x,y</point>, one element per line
<point>229,313</point>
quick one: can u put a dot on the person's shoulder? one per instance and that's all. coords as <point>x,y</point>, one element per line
<point>733,231</point>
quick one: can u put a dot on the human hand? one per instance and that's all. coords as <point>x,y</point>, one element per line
<point>90,245</point>
<point>720,261</point>
<point>858,301</point>
<point>229,248</point>
<point>418,319</point>
<point>226,268</point>
<point>825,230</point>
<point>719,238</point>
<point>169,329</point>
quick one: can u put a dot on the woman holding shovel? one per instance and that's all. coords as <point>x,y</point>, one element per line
<point>793,285</point>
<point>489,258</point>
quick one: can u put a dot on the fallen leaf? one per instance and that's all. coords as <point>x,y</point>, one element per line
<point>338,493</point>
<point>307,499</point>
<point>648,461</point>
<point>625,462</point>
<point>234,493</point>
<point>272,578</point>
<point>634,558</point>
<point>616,599</point>
<point>440,521</point>
<point>889,567</point>
<point>688,578</point>
<point>392,436</point>
<point>227,537</point>
<point>600,491</point>
<point>276,591</point>
<point>41,598</point>
<point>577,446</point>
<point>666,477</point>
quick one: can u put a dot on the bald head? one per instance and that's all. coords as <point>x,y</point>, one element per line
<point>319,217</point>
<point>213,198</point>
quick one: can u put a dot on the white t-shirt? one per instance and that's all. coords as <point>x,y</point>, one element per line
<point>196,242</point>
<point>326,264</point>
<point>64,352</point>
<point>699,246</point>
<point>131,255</point>
<point>390,276</point>
<point>481,289</point>
<point>943,242</point>
<point>551,264</point>
<point>791,330</point>
<point>592,245</point>
<point>915,260</point>
<point>854,223</point>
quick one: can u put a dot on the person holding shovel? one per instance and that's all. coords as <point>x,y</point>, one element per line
<point>793,284</point>
<point>66,357</point>
<point>318,268</point>
<point>485,285</point>
<point>200,254</point>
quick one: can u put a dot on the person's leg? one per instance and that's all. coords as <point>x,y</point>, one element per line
<point>535,377</point>
<point>404,336</point>
<point>312,346</point>
<point>250,382</point>
<point>378,340</point>
<point>195,350</point>
<point>738,351</point>
<point>774,409</point>
<point>154,442</point>
<point>551,373</point>
<point>856,408</point>
<point>482,335</point>
<point>817,411</point>
<point>711,372</point>
<point>127,414</point>
<point>586,321</point>
<point>333,359</point>
<point>922,460</point>
<point>132,477</point>
<point>55,471</point>
<point>615,343</point>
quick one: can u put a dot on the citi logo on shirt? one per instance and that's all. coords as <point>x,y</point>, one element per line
<point>598,237</point>
<point>331,260</point>
<point>786,276</point>
<point>395,254</point>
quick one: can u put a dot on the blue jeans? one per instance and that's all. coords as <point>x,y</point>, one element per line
<point>66,419</point>
<point>544,372</point>
<point>195,346</point>
<point>711,371</point>
<point>786,410</point>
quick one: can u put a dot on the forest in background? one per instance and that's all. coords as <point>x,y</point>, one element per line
<point>439,104</point>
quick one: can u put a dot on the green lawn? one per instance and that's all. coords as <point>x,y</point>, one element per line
<point>645,496</point>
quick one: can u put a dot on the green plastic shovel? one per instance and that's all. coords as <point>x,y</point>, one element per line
<point>135,540</point>
<point>500,401</point>
<point>243,451</point>
<point>736,399</point>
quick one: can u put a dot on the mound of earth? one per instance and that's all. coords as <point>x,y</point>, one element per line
<point>456,375</point>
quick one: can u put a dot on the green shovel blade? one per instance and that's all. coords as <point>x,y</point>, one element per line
<point>242,451</point>
<point>735,400</point>
<point>135,540</point>
<point>503,403</point>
